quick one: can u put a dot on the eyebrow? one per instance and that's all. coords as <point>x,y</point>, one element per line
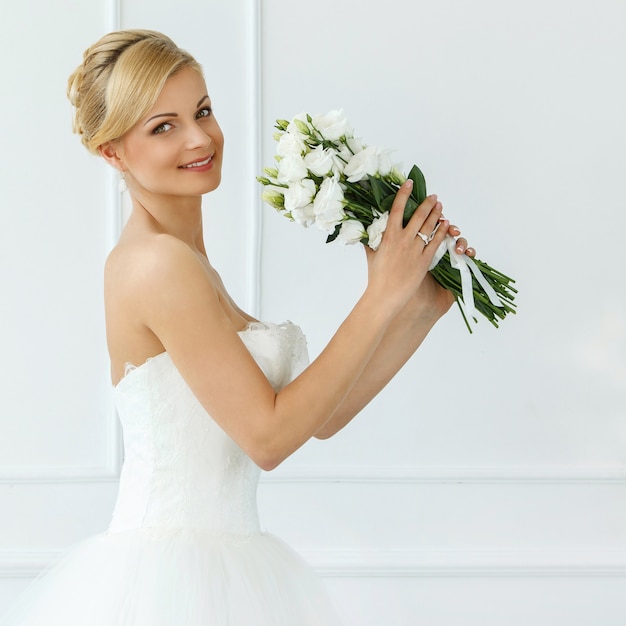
<point>174,114</point>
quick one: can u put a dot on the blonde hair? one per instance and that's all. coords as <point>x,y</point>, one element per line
<point>119,80</point>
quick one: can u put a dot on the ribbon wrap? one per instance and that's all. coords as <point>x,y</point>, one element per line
<point>467,267</point>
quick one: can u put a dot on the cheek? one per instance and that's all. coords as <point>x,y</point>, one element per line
<point>152,158</point>
<point>217,135</point>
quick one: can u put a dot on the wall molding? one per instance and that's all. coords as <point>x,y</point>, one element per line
<point>110,470</point>
<point>107,472</point>
<point>408,475</point>
<point>431,563</point>
<point>254,213</point>
<point>59,475</point>
<point>467,563</point>
<point>447,474</point>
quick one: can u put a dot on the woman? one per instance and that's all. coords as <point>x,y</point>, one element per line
<point>206,394</point>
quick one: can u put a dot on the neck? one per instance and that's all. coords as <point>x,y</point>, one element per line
<point>176,216</point>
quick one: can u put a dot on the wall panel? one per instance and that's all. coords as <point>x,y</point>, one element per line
<point>59,438</point>
<point>55,406</point>
<point>485,485</point>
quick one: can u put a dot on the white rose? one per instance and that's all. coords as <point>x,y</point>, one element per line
<point>299,194</point>
<point>385,164</point>
<point>319,161</point>
<point>289,145</point>
<point>291,168</point>
<point>354,144</point>
<point>328,204</point>
<point>362,164</point>
<point>333,125</point>
<point>346,151</point>
<point>376,229</point>
<point>304,215</point>
<point>351,232</point>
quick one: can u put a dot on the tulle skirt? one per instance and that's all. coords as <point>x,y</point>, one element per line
<point>184,577</point>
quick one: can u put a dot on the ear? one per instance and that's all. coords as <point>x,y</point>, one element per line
<point>110,152</point>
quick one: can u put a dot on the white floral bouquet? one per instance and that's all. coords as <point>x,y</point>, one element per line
<point>327,177</point>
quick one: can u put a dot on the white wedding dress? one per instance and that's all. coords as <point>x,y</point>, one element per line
<point>184,547</point>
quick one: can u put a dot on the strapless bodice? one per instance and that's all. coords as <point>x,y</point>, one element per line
<point>181,470</point>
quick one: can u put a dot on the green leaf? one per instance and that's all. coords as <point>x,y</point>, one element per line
<point>378,189</point>
<point>385,205</point>
<point>409,209</point>
<point>419,184</point>
<point>334,234</point>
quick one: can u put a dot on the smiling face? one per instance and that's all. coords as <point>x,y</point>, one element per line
<point>176,148</point>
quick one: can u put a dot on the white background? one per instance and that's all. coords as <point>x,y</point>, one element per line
<point>487,484</point>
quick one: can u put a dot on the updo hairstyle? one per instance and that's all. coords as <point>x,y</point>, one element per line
<point>119,81</point>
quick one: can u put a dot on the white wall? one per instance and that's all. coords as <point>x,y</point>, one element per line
<point>486,485</point>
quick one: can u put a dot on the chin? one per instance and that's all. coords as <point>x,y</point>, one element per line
<point>198,187</point>
<point>214,184</point>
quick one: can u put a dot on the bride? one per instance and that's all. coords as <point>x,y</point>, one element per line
<point>206,394</point>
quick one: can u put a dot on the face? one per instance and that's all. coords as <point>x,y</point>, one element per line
<point>176,149</point>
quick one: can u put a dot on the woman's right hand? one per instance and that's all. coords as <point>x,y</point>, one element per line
<point>396,270</point>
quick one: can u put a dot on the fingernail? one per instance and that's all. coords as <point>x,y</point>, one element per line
<point>408,184</point>
<point>432,197</point>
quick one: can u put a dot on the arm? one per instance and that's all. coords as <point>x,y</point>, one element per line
<point>180,306</point>
<point>403,336</point>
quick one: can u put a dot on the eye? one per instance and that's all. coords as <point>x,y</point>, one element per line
<point>203,112</point>
<point>161,128</point>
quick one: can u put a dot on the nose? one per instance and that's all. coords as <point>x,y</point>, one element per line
<point>197,137</point>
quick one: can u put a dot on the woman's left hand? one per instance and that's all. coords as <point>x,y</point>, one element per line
<point>431,298</point>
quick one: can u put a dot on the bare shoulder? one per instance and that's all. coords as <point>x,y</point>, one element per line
<point>153,283</point>
<point>152,276</point>
<point>146,262</point>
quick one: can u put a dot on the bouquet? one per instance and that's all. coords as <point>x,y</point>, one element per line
<point>326,177</point>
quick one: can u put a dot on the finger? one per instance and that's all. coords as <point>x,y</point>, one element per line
<point>422,213</point>
<point>396,212</point>
<point>461,245</point>
<point>438,237</point>
<point>431,223</point>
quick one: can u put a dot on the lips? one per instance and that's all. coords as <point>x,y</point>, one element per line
<point>199,163</point>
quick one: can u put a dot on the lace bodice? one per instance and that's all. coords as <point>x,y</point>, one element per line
<point>180,468</point>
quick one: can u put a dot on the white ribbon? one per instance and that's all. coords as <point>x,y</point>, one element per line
<point>467,267</point>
